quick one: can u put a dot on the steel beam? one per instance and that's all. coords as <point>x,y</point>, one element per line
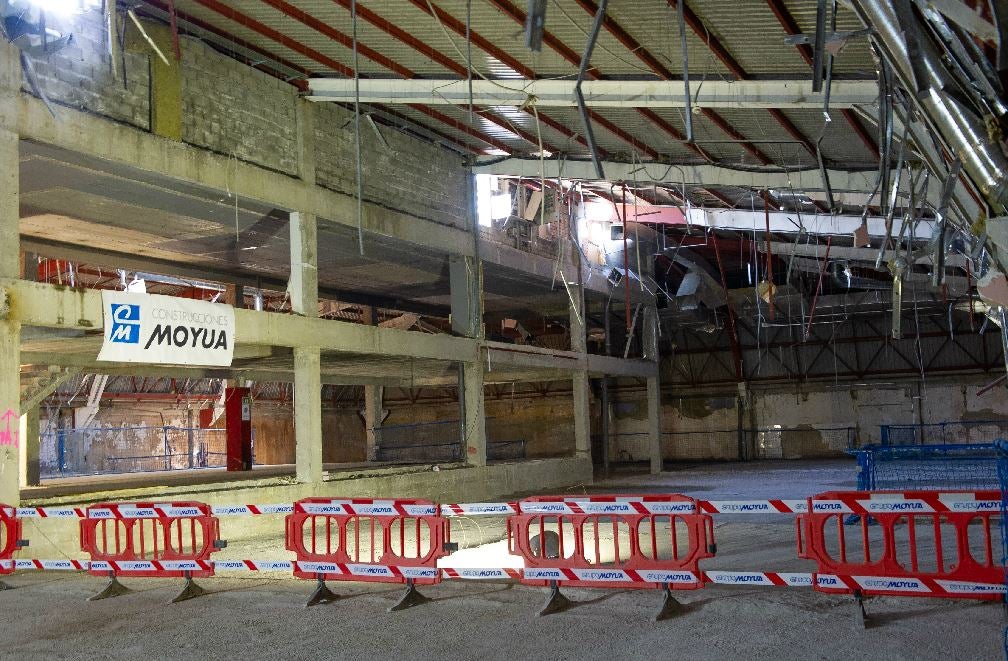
<point>742,94</point>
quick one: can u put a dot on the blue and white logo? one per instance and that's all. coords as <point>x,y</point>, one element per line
<point>125,323</point>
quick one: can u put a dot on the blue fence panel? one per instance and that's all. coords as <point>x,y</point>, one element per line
<point>935,466</point>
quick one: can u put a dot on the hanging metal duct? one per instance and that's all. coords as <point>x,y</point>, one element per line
<point>962,130</point>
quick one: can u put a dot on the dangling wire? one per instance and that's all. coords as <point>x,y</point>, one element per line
<point>357,139</point>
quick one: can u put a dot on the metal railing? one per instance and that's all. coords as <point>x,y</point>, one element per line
<point>727,445</point>
<point>944,433</point>
<point>111,450</point>
<point>440,441</point>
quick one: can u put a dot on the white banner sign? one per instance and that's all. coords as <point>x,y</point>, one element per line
<point>147,328</point>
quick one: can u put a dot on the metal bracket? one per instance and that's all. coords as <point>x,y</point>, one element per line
<point>189,591</point>
<point>557,602</point>
<point>671,607</point>
<point>861,618</point>
<point>411,598</point>
<point>113,589</point>
<point>322,594</point>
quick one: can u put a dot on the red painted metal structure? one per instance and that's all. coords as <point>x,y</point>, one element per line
<point>10,538</point>
<point>238,422</point>
<point>361,539</point>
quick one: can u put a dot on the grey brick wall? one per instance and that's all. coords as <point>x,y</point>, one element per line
<point>237,110</point>
<point>80,75</point>
<point>411,176</point>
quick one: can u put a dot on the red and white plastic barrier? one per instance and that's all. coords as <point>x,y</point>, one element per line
<point>10,538</point>
<point>390,541</point>
<point>615,541</point>
<point>621,541</point>
<point>921,585</point>
<point>150,539</point>
<point>917,530</point>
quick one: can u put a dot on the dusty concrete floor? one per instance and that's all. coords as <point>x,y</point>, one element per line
<point>262,616</point>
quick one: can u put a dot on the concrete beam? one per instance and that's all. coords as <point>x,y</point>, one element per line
<point>87,363</point>
<point>114,260</point>
<point>507,356</point>
<point>494,252</point>
<point>54,306</point>
<point>92,135</point>
<point>303,283</point>
<point>742,94</point>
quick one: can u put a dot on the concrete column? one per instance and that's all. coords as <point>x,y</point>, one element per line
<point>582,414</point>
<point>305,115</point>
<point>654,424</point>
<point>465,280</point>
<point>308,414</point>
<point>474,437</point>
<point>649,332</point>
<point>31,441</point>
<point>303,283</point>
<point>581,386</point>
<point>374,413</point>
<point>303,290</point>
<point>10,326</point>
<point>165,79</point>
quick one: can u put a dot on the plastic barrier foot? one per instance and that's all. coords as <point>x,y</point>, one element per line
<point>322,594</point>
<point>860,615</point>
<point>671,607</point>
<point>189,591</point>
<point>113,589</point>
<point>557,603</point>
<point>410,599</point>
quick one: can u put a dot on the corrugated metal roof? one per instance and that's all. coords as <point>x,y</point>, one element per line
<point>747,29</point>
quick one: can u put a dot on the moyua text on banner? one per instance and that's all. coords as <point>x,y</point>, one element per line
<point>148,328</point>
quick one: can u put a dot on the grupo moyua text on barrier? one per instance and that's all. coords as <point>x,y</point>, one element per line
<point>904,543</point>
<point>152,540</point>
<point>386,541</point>
<point>648,541</point>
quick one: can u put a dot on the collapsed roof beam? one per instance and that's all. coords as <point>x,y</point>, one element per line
<point>808,182</point>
